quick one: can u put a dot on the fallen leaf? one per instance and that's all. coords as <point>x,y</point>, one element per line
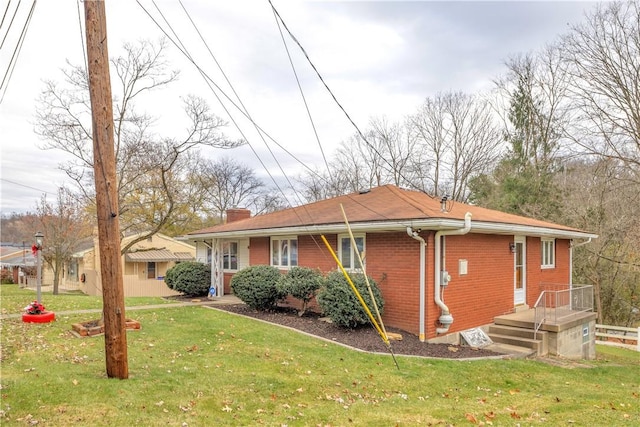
<point>512,392</point>
<point>471,418</point>
<point>453,349</point>
<point>75,382</point>
<point>227,408</point>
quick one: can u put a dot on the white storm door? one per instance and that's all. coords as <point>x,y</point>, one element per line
<point>519,271</point>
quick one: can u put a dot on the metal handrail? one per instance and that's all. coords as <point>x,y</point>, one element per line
<point>574,299</point>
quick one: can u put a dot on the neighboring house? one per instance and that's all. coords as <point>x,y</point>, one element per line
<point>144,266</point>
<point>14,262</point>
<point>443,267</point>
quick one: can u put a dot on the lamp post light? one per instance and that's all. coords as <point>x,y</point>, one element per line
<point>39,240</point>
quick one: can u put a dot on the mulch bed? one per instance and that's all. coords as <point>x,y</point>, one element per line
<point>364,338</point>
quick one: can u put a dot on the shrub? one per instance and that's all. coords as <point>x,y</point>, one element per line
<point>301,283</point>
<point>340,304</point>
<point>6,277</point>
<point>257,286</point>
<point>189,278</point>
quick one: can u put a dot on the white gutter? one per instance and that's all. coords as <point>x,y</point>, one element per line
<point>571,246</point>
<point>398,225</point>
<point>446,319</point>
<point>416,236</point>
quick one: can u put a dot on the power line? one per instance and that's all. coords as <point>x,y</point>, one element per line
<point>211,83</point>
<point>26,186</point>
<point>375,150</point>
<point>304,99</point>
<point>16,52</point>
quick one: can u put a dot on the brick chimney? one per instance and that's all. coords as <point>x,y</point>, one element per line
<point>237,214</point>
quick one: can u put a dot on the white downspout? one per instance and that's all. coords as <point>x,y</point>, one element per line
<point>416,236</point>
<point>571,246</point>
<point>446,319</point>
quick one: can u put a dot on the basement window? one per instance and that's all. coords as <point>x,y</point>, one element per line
<point>548,253</point>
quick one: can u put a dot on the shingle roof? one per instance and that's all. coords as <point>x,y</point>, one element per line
<point>388,207</point>
<point>157,255</point>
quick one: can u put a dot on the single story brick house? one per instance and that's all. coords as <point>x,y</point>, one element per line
<point>442,267</point>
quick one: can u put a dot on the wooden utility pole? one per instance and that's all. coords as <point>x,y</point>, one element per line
<point>104,167</point>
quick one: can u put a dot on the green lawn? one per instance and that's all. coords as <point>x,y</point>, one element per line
<point>195,366</point>
<point>15,299</point>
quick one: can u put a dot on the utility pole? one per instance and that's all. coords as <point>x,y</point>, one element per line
<point>104,166</point>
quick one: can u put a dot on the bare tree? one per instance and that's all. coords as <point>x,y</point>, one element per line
<point>600,200</point>
<point>459,138</point>
<point>228,184</point>
<point>151,171</point>
<point>64,226</point>
<point>602,56</point>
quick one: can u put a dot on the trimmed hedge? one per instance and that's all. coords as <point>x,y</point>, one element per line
<point>257,286</point>
<point>189,278</point>
<point>301,283</point>
<point>340,304</point>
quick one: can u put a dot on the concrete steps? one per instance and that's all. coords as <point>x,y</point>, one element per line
<point>520,337</point>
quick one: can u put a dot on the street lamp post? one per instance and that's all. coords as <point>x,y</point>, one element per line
<point>39,240</point>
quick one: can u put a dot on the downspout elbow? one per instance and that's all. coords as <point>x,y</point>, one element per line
<point>445,319</point>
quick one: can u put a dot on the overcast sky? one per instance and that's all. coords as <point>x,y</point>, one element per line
<point>379,59</point>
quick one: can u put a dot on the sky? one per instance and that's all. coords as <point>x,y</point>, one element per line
<point>379,58</point>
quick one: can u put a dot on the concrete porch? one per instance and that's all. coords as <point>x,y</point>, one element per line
<point>563,332</point>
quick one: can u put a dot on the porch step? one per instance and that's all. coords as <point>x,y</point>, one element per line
<point>521,337</point>
<point>514,351</point>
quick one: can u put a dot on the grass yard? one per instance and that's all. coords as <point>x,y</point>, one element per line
<point>195,366</point>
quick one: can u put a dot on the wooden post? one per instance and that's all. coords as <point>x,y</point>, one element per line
<point>104,166</point>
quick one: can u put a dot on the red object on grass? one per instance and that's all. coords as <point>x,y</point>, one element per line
<point>44,317</point>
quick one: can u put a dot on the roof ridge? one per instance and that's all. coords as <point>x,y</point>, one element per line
<point>404,194</point>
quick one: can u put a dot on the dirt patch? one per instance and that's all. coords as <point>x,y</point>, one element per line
<point>364,338</point>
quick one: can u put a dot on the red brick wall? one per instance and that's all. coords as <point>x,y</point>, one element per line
<point>473,299</point>
<point>393,260</point>
<point>484,292</point>
<point>538,278</point>
<point>259,251</point>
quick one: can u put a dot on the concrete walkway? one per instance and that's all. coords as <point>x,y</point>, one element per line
<point>224,300</point>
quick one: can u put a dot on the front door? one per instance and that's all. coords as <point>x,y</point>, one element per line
<point>519,273</point>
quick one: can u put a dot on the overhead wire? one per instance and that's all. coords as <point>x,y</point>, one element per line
<point>210,82</point>
<point>304,99</point>
<point>244,110</point>
<point>13,17</point>
<point>84,51</point>
<point>178,43</point>
<point>360,133</point>
<point>16,52</point>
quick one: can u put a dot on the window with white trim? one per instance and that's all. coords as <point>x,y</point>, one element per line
<point>284,252</point>
<point>230,256</point>
<point>348,257</point>
<point>548,253</point>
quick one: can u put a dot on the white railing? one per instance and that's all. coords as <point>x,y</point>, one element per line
<point>618,336</point>
<point>555,305</point>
